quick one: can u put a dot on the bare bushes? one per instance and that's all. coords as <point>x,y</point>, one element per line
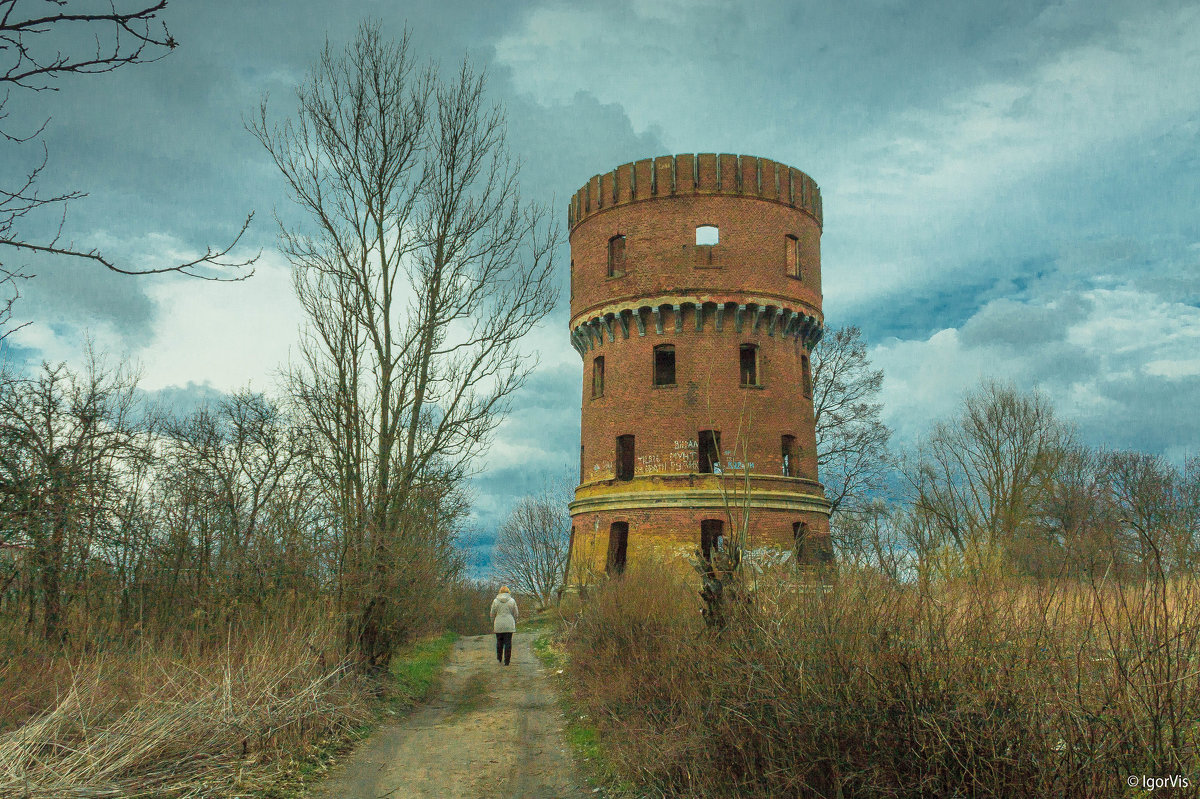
<point>990,687</point>
<point>151,724</point>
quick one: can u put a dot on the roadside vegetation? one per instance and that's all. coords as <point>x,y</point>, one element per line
<point>1022,620</point>
<point>209,602</point>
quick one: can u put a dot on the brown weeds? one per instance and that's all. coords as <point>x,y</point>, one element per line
<point>153,724</point>
<point>988,687</point>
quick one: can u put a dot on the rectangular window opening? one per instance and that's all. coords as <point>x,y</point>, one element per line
<point>788,447</point>
<point>664,365</point>
<point>707,235</point>
<point>625,457</point>
<point>712,532</point>
<point>749,364</point>
<point>618,548</point>
<point>792,255</point>
<point>598,376</point>
<point>709,442</point>
<point>616,256</point>
<point>806,376</point>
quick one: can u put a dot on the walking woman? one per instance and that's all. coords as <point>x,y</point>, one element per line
<point>504,615</point>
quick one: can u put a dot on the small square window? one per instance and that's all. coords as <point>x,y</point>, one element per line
<point>707,235</point>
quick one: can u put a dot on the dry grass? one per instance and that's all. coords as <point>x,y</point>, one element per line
<point>992,687</point>
<point>153,724</point>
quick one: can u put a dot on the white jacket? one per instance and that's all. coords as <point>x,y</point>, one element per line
<point>504,611</point>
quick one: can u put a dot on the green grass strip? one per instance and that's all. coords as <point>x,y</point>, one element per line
<point>417,667</point>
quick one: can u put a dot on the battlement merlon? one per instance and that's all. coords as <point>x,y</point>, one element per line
<point>703,174</point>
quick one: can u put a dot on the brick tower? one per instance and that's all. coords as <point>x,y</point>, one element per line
<point>695,302</point>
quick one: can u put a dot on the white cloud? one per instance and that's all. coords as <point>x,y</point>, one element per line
<point>229,334</point>
<point>1117,362</point>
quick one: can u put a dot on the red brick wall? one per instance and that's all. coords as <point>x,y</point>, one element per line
<point>657,206</point>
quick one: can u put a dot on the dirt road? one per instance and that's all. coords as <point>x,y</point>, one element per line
<point>492,731</point>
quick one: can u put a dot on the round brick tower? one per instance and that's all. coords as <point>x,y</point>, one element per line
<point>695,302</point>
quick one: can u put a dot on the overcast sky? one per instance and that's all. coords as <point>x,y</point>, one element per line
<point>1011,189</point>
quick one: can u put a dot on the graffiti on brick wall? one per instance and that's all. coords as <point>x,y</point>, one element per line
<point>683,461</point>
<point>604,467</point>
<point>650,464</point>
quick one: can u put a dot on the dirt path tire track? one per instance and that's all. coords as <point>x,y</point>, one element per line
<point>491,731</point>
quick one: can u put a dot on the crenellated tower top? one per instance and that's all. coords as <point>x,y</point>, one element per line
<point>703,174</point>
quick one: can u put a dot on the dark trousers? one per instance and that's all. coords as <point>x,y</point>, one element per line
<point>504,647</point>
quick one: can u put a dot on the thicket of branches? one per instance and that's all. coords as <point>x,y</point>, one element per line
<point>1005,484</point>
<point>120,522</point>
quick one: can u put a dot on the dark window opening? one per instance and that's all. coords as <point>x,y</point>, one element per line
<point>792,255</point>
<point>707,235</point>
<point>616,256</point>
<point>618,547</point>
<point>664,365</point>
<point>788,447</point>
<point>799,538</point>
<point>581,469</point>
<point>806,376</point>
<point>624,457</point>
<point>748,357</point>
<point>710,452</point>
<point>712,532</point>
<point>598,376</point>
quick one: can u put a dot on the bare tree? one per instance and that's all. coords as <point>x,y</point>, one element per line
<point>1157,508</point>
<point>66,442</point>
<point>533,543</point>
<point>852,456</point>
<point>874,536</point>
<point>41,43</point>
<point>421,272</point>
<point>983,478</point>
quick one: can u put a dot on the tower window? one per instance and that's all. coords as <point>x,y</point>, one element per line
<point>582,471</point>
<point>618,547</point>
<point>806,376</point>
<point>788,452</point>
<point>664,365</point>
<point>791,248</point>
<point>710,452</point>
<point>799,539</point>
<point>748,357</point>
<point>598,376</point>
<point>711,533</point>
<point>616,256</point>
<point>624,457</point>
<point>707,235</point>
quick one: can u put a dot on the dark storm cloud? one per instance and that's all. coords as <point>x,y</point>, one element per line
<point>181,401</point>
<point>1014,323</point>
<point>80,295</point>
<point>1151,414</point>
<point>1010,187</point>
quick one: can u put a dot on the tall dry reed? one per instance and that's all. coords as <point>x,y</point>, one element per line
<point>988,687</point>
<point>182,724</point>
